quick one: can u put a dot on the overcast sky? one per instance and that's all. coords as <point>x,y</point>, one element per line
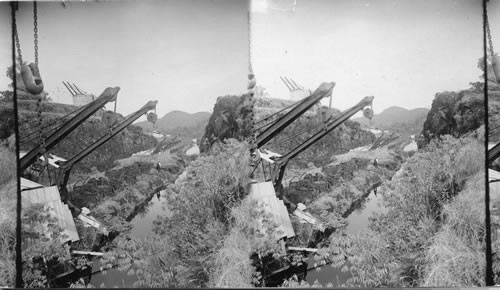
<point>184,54</point>
<point>187,53</point>
<point>402,52</point>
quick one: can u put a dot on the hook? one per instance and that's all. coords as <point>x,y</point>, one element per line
<point>31,78</point>
<point>45,160</point>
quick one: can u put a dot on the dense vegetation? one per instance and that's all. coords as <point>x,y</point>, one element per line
<point>8,197</point>
<point>187,244</point>
<point>432,233</point>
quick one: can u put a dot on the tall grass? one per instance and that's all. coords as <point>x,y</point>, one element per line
<point>7,165</point>
<point>434,219</point>
<point>456,254</point>
<point>233,266</point>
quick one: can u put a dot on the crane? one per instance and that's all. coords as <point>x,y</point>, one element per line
<point>323,91</point>
<point>65,168</point>
<point>280,162</point>
<point>109,95</point>
<point>494,153</point>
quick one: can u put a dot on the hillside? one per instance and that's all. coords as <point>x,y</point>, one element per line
<point>127,142</point>
<point>179,123</point>
<point>398,119</point>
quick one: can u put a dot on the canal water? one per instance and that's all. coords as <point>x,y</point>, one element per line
<point>358,222</point>
<point>142,226</point>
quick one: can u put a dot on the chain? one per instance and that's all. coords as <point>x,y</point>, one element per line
<point>251,81</point>
<point>18,45</point>
<point>35,31</point>
<point>40,98</point>
<point>488,33</point>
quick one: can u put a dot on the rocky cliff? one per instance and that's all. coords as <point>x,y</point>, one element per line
<point>231,118</point>
<point>454,113</point>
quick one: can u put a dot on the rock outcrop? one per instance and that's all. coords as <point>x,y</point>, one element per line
<point>453,113</point>
<point>232,117</point>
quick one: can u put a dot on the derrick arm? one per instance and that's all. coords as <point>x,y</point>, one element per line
<point>108,95</point>
<point>323,91</point>
<point>494,153</point>
<point>65,169</point>
<point>279,168</point>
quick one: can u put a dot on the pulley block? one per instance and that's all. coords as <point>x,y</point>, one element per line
<point>251,81</point>
<point>255,156</point>
<point>495,62</point>
<point>368,113</point>
<point>109,118</point>
<point>31,78</point>
<point>152,117</point>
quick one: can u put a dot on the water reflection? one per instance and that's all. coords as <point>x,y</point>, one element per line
<point>358,222</point>
<point>142,226</point>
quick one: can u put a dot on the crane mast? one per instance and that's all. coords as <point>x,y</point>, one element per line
<point>323,91</point>
<point>65,168</point>
<point>108,95</point>
<point>494,153</point>
<point>281,162</point>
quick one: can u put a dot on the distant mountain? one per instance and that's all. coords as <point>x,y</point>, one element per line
<point>397,118</point>
<point>179,123</point>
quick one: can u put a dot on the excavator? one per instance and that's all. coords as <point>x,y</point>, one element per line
<point>66,167</point>
<point>109,95</point>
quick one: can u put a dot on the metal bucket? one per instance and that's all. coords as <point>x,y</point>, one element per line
<point>31,78</point>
